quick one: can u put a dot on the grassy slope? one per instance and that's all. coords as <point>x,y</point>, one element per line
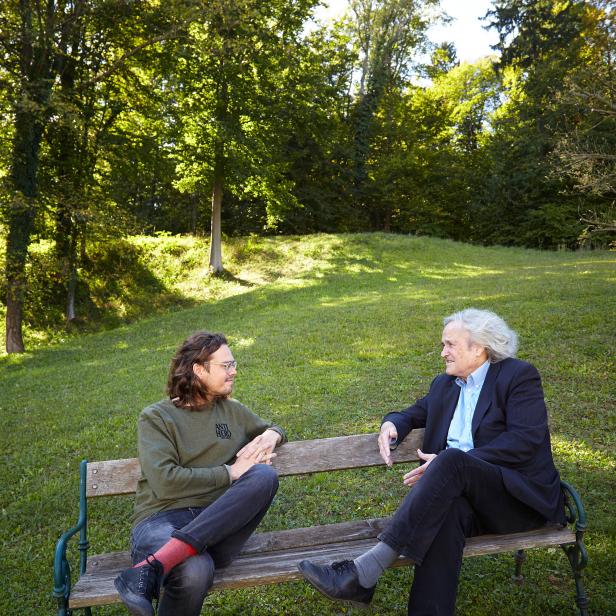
<point>330,333</point>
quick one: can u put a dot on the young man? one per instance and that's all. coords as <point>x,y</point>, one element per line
<point>489,470</point>
<point>206,482</point>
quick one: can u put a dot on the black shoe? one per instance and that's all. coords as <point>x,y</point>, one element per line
<point>338,581</point>
<point>138,586</point>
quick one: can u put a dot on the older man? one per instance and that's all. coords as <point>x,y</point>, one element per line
<point>489,468</point>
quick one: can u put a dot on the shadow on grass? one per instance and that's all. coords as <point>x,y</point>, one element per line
<point>227,276</point>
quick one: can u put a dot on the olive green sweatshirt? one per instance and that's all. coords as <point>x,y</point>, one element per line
<point>183,453</point>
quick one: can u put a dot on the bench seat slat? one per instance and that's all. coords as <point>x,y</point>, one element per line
<point>252,568</point>
<point>113,477</point>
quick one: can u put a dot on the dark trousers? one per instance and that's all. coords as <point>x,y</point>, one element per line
<point>217,532</point>
<point>458,496</point>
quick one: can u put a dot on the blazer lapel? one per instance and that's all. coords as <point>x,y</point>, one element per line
<point>485,397</point>
<point>450,400</point>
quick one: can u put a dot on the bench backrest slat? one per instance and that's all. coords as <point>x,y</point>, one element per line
<point>113,477</point>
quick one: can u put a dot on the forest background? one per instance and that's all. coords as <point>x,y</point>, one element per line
<point>234,118</point>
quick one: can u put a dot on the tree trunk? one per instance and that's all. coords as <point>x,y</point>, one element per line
<point>222,107</point>
<point>66,254</point>
<point>70,295</point>
<point>20,227</point>
<point>35,43</point>
<point>21,219</point>
<point>387,220</point>
<point>67,233</point>
<point>14,338</point>
<point>216,229</point>
<point>71,279</point>
<point>193,213</point>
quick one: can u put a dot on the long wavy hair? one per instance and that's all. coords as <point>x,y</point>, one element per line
<point>183,386</point>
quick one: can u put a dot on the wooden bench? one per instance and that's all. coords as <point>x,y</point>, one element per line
<point>272,557</point>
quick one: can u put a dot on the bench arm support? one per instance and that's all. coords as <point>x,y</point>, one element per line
<point>61,566</point>
<point>576,553</point>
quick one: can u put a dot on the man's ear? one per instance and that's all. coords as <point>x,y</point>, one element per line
<point>198,369</point>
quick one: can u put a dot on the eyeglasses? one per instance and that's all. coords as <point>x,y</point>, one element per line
<point>227,365</point>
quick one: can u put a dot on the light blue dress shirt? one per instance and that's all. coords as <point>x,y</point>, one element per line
<point>460,433</point>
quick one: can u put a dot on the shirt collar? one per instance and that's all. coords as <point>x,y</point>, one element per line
<point>476,378</point>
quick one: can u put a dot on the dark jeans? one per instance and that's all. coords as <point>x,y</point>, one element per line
<point>217,532</point>
<point>459,496</point>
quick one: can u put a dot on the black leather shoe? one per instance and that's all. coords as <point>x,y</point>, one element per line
<point>138,586</point>
<point>338,581</point>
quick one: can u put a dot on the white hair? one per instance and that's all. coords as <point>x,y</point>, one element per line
<point>489,331</point>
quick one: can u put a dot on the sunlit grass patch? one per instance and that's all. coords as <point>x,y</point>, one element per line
<point>330,332</point>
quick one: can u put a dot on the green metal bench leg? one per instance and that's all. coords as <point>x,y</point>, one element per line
<point>63,611</point>
<point>576,553</point>
<point>578,559</point>
<point>520,557</point>
<point>62,568</point>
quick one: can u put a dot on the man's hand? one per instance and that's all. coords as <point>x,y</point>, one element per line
<point>417,473</point>
<point>387,435</point>
<point>264,444</point>
<point>246,462</point>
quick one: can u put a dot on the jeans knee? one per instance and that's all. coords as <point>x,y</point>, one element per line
<point>265,476</point>
<point>194,575</point>
<point>149,536</point>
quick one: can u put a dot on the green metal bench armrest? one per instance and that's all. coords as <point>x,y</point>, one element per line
<point>61,566</point>
<point>574,509</point>
<point>576,553</point>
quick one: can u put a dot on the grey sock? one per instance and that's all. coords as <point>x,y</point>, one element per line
<point>371,564</point>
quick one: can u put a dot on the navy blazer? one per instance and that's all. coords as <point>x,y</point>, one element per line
<point>510,430</point>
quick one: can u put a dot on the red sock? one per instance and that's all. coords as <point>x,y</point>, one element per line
<point>171,554</point>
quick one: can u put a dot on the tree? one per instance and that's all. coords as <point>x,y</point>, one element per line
<point>28,36</point>
<point>429,151</point>
<point>241,59</point>
<point>388,33</point>
<point>316,136</point>
<point>586,148</point>
<point>43,44</point>
<point>95,89</point>
<point>522,202</point>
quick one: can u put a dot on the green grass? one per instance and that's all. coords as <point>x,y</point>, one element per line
<point>330,332</point>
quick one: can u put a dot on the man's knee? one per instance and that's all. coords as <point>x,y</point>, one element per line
<point>195,574</point>
<point>453,455</point>
<point>148,537</point>
<point>264,476</point>
<point>450,458</point>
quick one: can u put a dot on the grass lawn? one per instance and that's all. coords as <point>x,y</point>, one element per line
<point>330,332</point>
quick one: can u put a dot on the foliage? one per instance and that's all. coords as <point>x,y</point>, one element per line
<point>240,116</point>
<point>232,115</point>
<point>57,60</point>
<point>541,42</point>
<point>330,333</point>
<point>389,34</point>
<point>586,146</point>
<point>428,151</point>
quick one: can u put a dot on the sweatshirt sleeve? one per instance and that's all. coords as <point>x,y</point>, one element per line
<point>256,426</point>
<point>160,464</point>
